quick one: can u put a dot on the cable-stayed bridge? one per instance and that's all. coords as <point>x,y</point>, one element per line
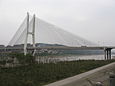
<point>47,33</point>
<point>34,30</point>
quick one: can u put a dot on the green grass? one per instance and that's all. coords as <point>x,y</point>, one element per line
<point>40,74</point>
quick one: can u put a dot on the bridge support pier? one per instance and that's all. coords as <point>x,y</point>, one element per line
<point>107,53</point>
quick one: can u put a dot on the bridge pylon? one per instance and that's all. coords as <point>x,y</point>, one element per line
<point>32,33</point>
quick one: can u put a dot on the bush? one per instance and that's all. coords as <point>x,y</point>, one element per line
<point>29,83</point>
<point>41,74</point>
<point>23,59</point>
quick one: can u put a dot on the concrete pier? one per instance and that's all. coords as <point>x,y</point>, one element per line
<point>107,54</point>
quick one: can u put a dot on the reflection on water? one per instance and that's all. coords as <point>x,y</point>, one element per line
<point>54,59</point>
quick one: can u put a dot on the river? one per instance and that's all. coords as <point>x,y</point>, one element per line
<point>54,58</point>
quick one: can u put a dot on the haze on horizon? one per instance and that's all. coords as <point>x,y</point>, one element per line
<point>93,20</point>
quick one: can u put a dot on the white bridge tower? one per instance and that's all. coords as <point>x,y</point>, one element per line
<point>32,33</point>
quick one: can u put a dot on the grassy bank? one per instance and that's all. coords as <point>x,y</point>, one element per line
<point>40,74</point>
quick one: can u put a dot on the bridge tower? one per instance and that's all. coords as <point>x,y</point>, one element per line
<point>32,33</point>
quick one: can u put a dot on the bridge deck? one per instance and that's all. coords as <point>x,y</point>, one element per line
<point>63,47</point>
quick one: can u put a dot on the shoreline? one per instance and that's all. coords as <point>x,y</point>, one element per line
<point>95,75</point>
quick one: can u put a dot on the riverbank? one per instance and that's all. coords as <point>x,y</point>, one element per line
<point>42,74</point>
<point>100,74</point>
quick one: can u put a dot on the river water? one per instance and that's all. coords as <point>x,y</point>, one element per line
<point>48,59</point>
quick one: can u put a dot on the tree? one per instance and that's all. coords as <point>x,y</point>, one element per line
<point>24,59</point>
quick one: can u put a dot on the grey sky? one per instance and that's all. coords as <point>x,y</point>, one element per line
<point>90,19</point>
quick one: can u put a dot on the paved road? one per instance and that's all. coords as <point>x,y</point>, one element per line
<point>97,75</point>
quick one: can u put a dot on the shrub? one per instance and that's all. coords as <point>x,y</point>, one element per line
<point>23,59</point>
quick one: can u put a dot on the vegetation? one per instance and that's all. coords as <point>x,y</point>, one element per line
<point>40,74</point>
<point>22,59</point>
<point>14,59</point>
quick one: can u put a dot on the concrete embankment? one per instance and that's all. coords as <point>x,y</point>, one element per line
<point>97,75</point>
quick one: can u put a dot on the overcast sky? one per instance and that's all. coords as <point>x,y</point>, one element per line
<point>93,20</point>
